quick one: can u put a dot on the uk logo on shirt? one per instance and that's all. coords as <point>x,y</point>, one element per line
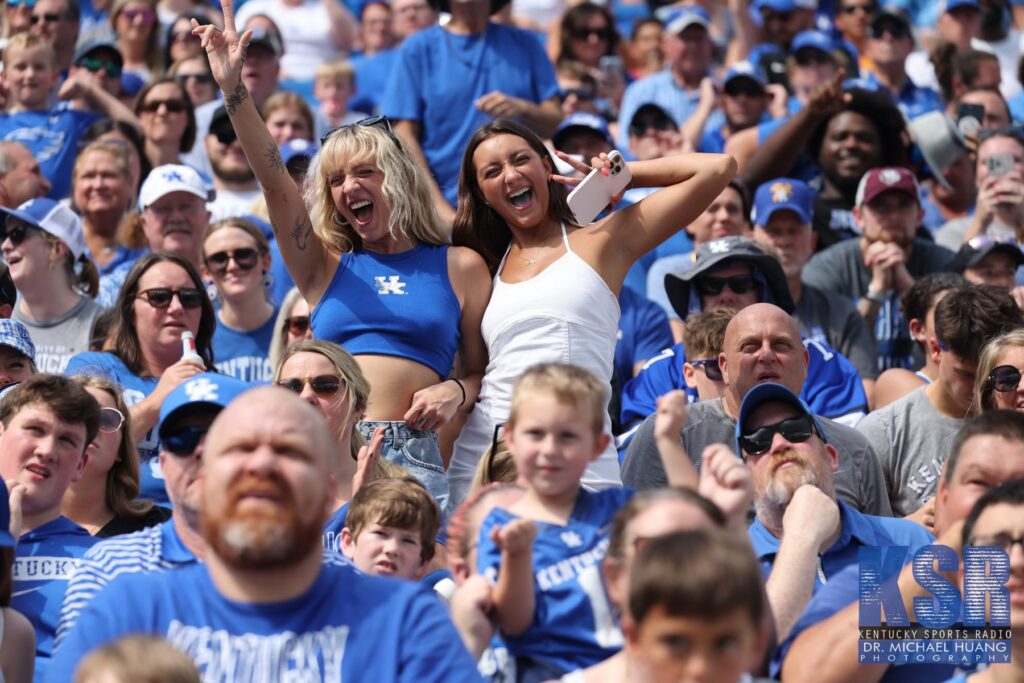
<point>389,284</point>
<point>571,539</point>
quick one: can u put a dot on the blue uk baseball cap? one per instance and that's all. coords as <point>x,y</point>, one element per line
<point>6,539</point>
<point>51,217</point>
<point>297,149</point>
<point>813,39</point>
<point>678,19</point>
<point>745,70</point>
<point>581,121</point>
<point>209,391</point>
<point>782,194</point>
<point>770,391</point>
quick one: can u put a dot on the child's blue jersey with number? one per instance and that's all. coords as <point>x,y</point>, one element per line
<point>345,627</point>
<point>574,624</point>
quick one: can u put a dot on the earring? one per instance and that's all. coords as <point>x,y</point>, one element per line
<point>267,280</point>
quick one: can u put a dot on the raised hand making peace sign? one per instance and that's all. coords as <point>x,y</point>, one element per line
<point>226,52</point>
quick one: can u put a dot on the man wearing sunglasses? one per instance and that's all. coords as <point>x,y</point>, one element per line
<point>890,42</point>
<point>802,535</point>
<point>233,178</point>
<point>46,424</point>
<point>185,418</point>
<point>742,99</point>
<point>762,344</point>
<point>267,604</point>
<point>174,215</point>
<point>100,62</point>
<point>57,22</point>
<point>822,648</point>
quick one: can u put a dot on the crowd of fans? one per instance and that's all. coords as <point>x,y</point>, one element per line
<point>309,372</point>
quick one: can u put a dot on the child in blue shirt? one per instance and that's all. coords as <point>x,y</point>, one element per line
<point>543,553</point>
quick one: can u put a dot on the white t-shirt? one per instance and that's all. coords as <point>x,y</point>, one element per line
<point>921,70</point>
<point>1008,52</point>
<point>229,204</point>
<point>305,30</point>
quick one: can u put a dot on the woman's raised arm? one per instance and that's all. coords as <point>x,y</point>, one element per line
<point>304,254</point>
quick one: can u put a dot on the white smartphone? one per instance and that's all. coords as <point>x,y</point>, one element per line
<point>594,193</point>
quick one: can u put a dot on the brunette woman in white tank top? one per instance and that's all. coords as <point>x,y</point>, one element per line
<point>556,285</point>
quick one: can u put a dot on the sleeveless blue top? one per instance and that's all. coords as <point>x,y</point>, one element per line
<point>393,305</point>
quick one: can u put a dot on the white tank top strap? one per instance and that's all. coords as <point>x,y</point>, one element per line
<point>565,238</point>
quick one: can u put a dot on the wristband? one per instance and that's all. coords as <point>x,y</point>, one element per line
<point>874,296</point>
<point>462,388</point>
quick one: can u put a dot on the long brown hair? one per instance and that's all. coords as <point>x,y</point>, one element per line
<point>123,340</point>
<point>477,225</point>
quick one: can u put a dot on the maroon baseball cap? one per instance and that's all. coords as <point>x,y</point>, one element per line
<point>879,180</point>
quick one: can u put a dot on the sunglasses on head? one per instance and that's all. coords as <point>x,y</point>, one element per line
<point>324,385</point>
<point>17,233</point>
<point>245,258</point>
<point>48,17</point>
<point>379,120</point>
<point>711,368</point>
<point>95,64</point>
<point>185,440</point>
<point>204,79</point>
<point>710,285</point>
<point>111,419</point>
<point>585,33</point>
<point>160,297</point>
<point>794,430</point>
<point>1004,379</point>
<point>894,30</point>
<point>172,106</point>
<point>298,325</point>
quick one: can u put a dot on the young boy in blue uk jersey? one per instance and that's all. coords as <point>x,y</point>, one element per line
<point>391,527</point>
<point>696,607</point>
<point>544,552</point>
<point>46,423</point>
<point>29,75</point>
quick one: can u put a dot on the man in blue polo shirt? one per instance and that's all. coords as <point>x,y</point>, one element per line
<point>46,423</point>
<point>803,534</point>
<point>266,604</point>
<point>185,417</point>
<point>890,42</point>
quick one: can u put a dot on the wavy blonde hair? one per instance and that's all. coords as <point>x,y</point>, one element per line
<point>405,189</point>
<point>987,362</point>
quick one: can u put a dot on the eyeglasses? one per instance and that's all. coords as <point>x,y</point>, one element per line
<point>172,106</point>
<point>742,86</point>
<point>811,56</point>
<point>147,15</point>
<point>794,430</point>
<point>711,368</point>
<point>710,285</point>
<point>895,30</point>
<point>379,120</point>
<point>17,233</point>
<point>324,385</point>
<point>1003,541</point>
<point>245,258</point>
<point>585,33</point>
<point>184,36</point>
<point>639,128</point>
<point>203,79</point>
<point>160,297</point>
<point>853,9</point>
<point>184,441</point>
<point>1004,379</point>
<point>297,325</point>
<point>225,134</point>
<point>580,93</point>
<point>48,17</point>
<point>95,64</point>
<point>111,420</point>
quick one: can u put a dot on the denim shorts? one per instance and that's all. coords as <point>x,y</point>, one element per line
<point>416,450</point>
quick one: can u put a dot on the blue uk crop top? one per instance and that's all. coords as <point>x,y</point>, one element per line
<point>393,305</point>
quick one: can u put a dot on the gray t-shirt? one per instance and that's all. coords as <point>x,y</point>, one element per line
<point>57,340</point>
<point>829,317</point>
<point>912,440</point>
<point>841,269</point>
<point>858,480</point>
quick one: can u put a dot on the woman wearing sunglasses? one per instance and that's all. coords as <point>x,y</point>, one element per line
<point>371,257</point>
<point>168,121</point>
<point>43,245</point>
<point>236,257</point>
<point>292,325</point>
<point>179,43</point>
<point>998,385</point>
<point>162,297</point>
<point>104,501</point>
<point>194,75</point>
<point>138,36</point>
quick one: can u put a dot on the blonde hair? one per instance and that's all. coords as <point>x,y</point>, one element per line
<point>284,99</point>
<point>87,279</point>
<point>497,466</point>
<point>405,189</point>
<point>280,336</point>
<point>117,151</point>
<point>568,384</point>
<point>248,227</point>
<point>987,362</point>
<point>355,384</point>
<point>139,659</point>
<point>28,41</point>
<point>337,68</point>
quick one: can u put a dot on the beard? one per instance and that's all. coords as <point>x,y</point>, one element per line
<point>262,538</point>
<point>778,491</point>
<point>231,172</point>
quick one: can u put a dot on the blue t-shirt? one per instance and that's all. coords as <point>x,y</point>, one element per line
<point>663,90</point>
<point>833,388</point>
<point>371,75</point>
<point>52,135</point>
<point>439,75</point>
<point>912,99</point>
<point>333,527</point>
<point>346,626</point>
<point>574,625</point>
<point>44,559</point>
<point>643,332</point>
<point>133,390</point>
<point>244,355</point>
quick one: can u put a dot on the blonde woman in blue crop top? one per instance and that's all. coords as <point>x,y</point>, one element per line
<point>371,257</point>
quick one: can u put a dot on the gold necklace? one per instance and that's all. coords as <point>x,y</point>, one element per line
<point>528,260</point>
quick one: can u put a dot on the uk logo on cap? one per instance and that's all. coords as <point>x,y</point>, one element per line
<point>201,389</point>
<point>719,247</point>
<point>781,192</point>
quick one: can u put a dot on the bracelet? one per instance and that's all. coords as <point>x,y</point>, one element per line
<point>463,388</point>
<point>875,296</point>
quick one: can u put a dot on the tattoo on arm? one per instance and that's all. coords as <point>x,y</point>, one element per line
<point>238,96</point>
<point>300,232</point>
<point>273,157</point>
